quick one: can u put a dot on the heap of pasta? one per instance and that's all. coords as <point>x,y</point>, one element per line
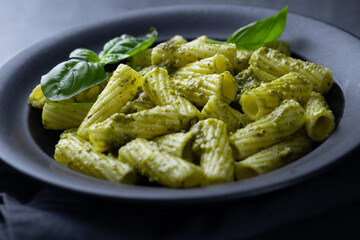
<point>187,114</point>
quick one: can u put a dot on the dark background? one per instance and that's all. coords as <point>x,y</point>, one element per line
<point>328,209</point>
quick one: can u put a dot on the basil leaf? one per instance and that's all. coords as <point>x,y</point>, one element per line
<point>125,46</point>
<point>86,54</point>
<point>257,34</point>
<point>71,77</point>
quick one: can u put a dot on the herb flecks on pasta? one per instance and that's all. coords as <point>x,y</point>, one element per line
<point>191,113</point>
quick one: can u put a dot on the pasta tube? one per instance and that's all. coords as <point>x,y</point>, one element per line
<point>160,166</point>
<point>212,65</point>
<point>123,86</point>
<point>77,154</point>
<point>281,46</point>
<point>163,54</point>
<point>278,64</point>
<point>242,57</point>
<point>120,128</point>
<point>198,89</point>
<point>63,115</point>
<point>320,121</point>
<point>178,144</point>
<point>216,108</point>
<point>259,101</point>
<point>142,102</point>
<point>158,86</point>
<point>268,130</point>
<point>37,98</point>
<point>274,157</point>
<point>194,51</point>
<point>212,144</point>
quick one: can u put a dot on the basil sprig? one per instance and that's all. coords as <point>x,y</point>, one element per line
<point>257,34</point>
<point>125,46</point>
<point>71,77</point>
<point>85,54</point>
<point>85,69</point>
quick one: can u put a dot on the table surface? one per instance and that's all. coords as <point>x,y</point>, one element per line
<point>332,200</point>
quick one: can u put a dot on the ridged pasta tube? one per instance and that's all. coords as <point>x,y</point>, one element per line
<point>194,51</point>
<point>259,101</point>
<point>278,64</point>
<point>246,81</point>
<point>142,102</point>
<point>37,98</point>
<point>216,108</point>
<point>320,121</point>
<point>120,128</point>
<point>281,46</point>
<point>77,154</point>
<point>242,57</point>
<point>212,65</point>
<point>123,86</point>
<point>262,76</point>
<point>268,130</point>
<point>178,144</point>
<point>163,54</point>
<point>159,87</point>
<point>274,157</point>
<point>212,145</point>
<point>198,89</point>
<point>160,166</point>
<point>63,115</point>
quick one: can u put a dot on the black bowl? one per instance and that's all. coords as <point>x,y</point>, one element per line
<point>26,146</point>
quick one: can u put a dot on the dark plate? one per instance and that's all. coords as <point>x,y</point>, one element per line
<point>26,146</point>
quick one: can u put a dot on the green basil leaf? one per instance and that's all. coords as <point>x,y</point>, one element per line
<point>86,54</point>
<point>71,77</point>
<point>257,34</point>
<point>125,46</point>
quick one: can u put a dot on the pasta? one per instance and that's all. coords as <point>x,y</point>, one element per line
<point>159,87</point>
<point>198,89</point>
<point>216,108</point>
<point>268,130</point>
<point>213,65</point>
<point>178,144</point>
<point>215,153</point>
<point>277,64</point>
<point>274,157</point>
<point>61,116</point>
<point>193,113</point>
<point>123,86</point>
<point>160,166</point>
<point>261,100</point>
<point>78,154</point>
<point>120,128</point>
<point>320,121</point>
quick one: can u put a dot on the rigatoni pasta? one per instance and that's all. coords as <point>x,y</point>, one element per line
<point>213,147</point>
<point>123,86</point>
<point>120,128</point>
<point>78,154</point>
<point>278,64</point>
<point>63,115</point>
<point>261,100</point>
<point>274,157</point>
<point>282,122</point>
<point>187,114</point>
<point>320,121</point>
<point>160,166</point>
